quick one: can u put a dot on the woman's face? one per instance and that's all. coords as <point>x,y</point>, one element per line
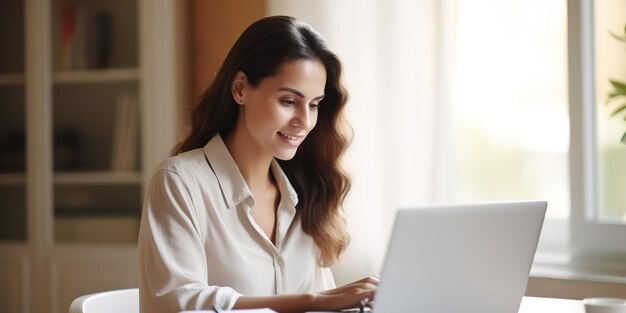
<point>279,113</point>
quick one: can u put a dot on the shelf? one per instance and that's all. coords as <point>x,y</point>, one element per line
<point>12,179</point>
<point>11,79</point>
<point>88,178</point>
<point>97,178</point>
<point>96,76</point>
<point>59,121</point>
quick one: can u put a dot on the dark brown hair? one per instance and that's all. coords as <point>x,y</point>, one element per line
<point>315,170</point>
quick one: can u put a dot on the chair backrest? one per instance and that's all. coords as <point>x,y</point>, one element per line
<point>114,301</point>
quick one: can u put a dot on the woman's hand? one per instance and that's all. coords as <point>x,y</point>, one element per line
<point>347,296</point>
<point>344,297</point>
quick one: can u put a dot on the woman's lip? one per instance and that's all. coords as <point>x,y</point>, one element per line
<point>292,140</point>
<point>292,137</point>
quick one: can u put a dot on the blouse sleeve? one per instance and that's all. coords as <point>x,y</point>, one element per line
<point>326,279</point>
<point>171,251</point>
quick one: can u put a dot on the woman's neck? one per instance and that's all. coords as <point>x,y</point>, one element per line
<point>253,165</point>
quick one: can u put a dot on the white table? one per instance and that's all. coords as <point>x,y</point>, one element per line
<point>529,305</point>
<point>551,305</point>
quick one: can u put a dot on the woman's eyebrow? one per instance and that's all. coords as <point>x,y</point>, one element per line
<point>298,93</point>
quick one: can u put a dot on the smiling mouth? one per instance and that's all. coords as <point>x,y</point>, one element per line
<point>294,140</point>
<point>290,137</point>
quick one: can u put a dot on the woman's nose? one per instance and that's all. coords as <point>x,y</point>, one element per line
<point>302,118</point>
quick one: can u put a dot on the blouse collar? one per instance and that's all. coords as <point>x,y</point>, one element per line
<point>234,188</point>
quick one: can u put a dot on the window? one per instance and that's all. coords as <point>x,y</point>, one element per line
<point>472,101</point>
<point>609,21</point>
<point>597,176</point>
<point>506,97</point>
<point>527,124</point>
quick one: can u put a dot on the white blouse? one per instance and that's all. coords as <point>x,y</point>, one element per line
<point>199,245</point>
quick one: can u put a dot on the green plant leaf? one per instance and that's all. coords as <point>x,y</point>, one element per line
<point>618,110</point>
<point>612,96</point>
<point>623,140</point>
<point>618,37</point>
<point>620,87</point>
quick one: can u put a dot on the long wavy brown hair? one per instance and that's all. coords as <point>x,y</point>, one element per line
<point>315,170</point>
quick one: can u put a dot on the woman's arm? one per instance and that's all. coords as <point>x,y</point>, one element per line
<point>173,269</point>
<point>348,296</point>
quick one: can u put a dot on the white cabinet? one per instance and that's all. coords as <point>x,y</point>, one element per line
<point>89,91</point>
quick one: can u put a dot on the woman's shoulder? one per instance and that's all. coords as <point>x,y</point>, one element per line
<point>184,163</point>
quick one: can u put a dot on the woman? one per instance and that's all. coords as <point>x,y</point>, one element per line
<point>247,214</point>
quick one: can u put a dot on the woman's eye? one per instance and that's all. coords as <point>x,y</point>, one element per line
<point>287,102</point>
<point>314,106</point>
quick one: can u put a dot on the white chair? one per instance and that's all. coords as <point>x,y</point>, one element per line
<point>114,301</point>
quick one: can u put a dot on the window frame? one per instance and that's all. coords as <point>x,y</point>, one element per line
<point>589,239</point>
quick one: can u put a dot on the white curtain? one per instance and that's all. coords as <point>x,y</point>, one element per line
<point>389,52</point>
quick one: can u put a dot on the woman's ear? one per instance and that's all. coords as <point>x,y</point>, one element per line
<point>238,86</point>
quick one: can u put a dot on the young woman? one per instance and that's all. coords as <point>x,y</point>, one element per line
<point>247,214</point>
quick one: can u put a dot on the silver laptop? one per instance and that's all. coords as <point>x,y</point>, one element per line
<point>460,258</point>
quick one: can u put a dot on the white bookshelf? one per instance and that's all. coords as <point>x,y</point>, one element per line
<point>68,218</point>
<point>96,76</point>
